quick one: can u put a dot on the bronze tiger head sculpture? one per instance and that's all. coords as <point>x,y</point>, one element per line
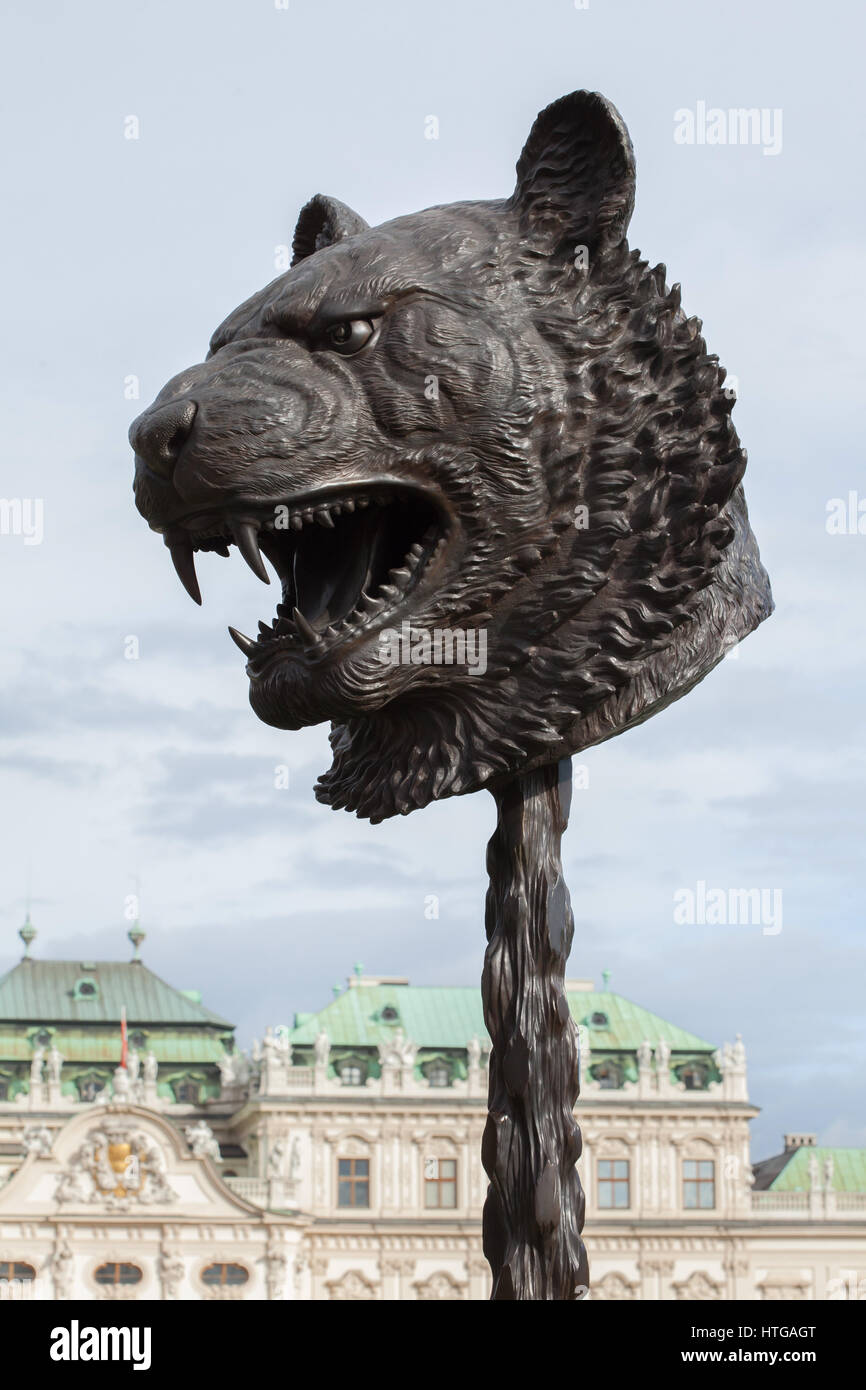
<point>488,420</point>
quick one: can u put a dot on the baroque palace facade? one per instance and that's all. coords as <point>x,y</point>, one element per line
<point>340,1158</point>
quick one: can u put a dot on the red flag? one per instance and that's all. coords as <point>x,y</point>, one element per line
<point>124,1046</point>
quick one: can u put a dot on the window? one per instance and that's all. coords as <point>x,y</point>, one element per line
<point>223,1274</point>
<point>42,1038</point>
<point>440,1183</point>
<point>439,1074</point>
<point>118,1274</point>
<point>353,1182</point>
<point>598,1020</point>
<point>699,1184</point>
<point>138,1040</point>
<point>4,1090</point>
<point>89,1087</point>
<point>86,989</point>
<point>694,1077</point>
<point>613,1183</point>
<point>187,1092</point>
<point>608,1076</point>
<point>11,1269</point>
<point>389,1014</point>
<point>352,1074</point>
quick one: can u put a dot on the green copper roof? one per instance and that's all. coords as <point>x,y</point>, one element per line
<point>50,991</point>
<point>849,1170</point>
<point>449,1017</point>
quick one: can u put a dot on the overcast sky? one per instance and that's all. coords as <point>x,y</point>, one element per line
<point>119,258</point>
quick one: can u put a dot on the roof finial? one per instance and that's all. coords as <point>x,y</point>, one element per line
<point>136,936</point>
<point>27,933</point>
<point>605,979</point>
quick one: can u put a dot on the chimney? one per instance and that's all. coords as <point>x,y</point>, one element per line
<point>799,1141</point>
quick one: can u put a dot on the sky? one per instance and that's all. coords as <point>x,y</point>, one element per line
<point>130,760</point>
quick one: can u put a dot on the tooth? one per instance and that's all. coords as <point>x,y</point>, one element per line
<point>389,591</point>
<point>247,539</point>
<point>330,633</point>
<point>417,550</point>
<point>307,514</point>
<point>349,504</point>
<point>400,576</point>
<point>284,610</point>
<point>324,518</point>
<point>308,633</point>
<point>362,501</point>
<point>265,629</point>
<point>336,508</point>
<point>295,521</point>
<point>371,605</point>
<point>246,644</point>
<point>184,562</point>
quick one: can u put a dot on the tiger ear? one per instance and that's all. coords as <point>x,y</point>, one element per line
<point>322,222</point>
<point>576,176</point>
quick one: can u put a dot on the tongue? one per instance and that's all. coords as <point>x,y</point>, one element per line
<point>329,574</point>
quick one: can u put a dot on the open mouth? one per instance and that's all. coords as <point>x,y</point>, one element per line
<point>346,561</point>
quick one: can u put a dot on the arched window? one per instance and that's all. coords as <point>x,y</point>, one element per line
<point>42,1038</point>
<point>89,1087</point>
<point>694,1077</point>
<point>222,1274</point>
<point>389,1014</point>
<point>138,1039</point>
<point>352,1074</point>
<point>439,1074</point>
<point>608,1075</point>
<point>115,1273</point>
<point>12,1269</point>
<point>187,1092</point>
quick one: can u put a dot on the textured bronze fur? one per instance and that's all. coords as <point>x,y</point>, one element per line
<point>560,387</point>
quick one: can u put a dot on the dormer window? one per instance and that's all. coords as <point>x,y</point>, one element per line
<point>351,1074</point>
<point>389,1014</point>
<point>599,1020</point>
<point>85,988</point>
<point>694,1077</point>
<point>439,1074</point>
<point>608,1075</point>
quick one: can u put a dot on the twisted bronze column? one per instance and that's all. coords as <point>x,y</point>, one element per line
<point>534,1211</point>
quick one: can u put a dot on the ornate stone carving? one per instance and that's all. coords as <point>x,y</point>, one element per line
<point>699,1285</point>
<point>202,1141</point>
<point>37,1140</point>
<point>171,1269</point>
<point>440,1286</point>
<point>614,1286</point>
<point>276,1264</point>
<point>352,1286</point>
<point>117,1167</point>
<point>61,1269</point>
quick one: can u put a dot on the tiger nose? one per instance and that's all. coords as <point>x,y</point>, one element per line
<point>159,435</point>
